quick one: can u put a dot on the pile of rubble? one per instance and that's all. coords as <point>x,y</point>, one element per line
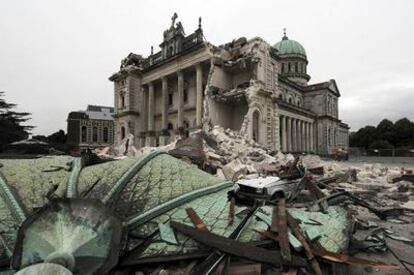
<point>232,154</point>
<point>339,213</point>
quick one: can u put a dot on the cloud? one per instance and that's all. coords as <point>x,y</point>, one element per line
<point>56,56</point>
<point>371,106</point>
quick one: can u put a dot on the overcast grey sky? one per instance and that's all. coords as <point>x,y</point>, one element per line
<point>56,56</point>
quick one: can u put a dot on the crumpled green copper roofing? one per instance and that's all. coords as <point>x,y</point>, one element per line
<point>162,188</point>
<point>214,211</point>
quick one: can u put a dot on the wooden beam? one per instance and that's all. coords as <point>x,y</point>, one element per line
<point>279,220</point>
<point>297,231</point>
<point>236,248</point>
<point>196,220</point>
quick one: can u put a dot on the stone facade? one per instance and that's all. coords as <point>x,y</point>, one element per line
<point>93,128</point>
<point>245,85</point>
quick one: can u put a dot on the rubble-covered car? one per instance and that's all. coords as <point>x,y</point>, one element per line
<point>266,189</point>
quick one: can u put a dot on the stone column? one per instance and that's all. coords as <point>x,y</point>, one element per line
<point>164,137</point>
<point>294,135</point>
<point>308,136</point>
<point>283,134</point>
<point>299,135</point>
<point>180,113</point>
<point>143,114</point>
<point>311,138</point>
<point>288,134</point>
<point>199,94</point>
<point>150,140</point>
<point>303,137</point>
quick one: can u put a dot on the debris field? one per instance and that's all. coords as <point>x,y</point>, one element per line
<point>211,203</point>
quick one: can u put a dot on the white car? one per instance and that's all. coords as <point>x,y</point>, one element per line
<point>267,188</point>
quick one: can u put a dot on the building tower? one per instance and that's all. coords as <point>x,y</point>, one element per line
<point>293,60</point>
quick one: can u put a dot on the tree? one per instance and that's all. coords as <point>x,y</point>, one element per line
<point>11,128</point>
<point>381,144</point>
<point>386,131</point>
<point>385,136</point>
<point>404,130</point>
<point>363,137</point>
<point>57,137</point>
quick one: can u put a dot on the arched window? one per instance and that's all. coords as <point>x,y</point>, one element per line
<point>289,67</point>
<point>256,121</point>
<point>170,126</point>
<point>122,132</point>
<point>185,96</point>
<point>290,100</point>
<point>283,67</point>
<point>280,96</point>
<point>105,134</point>
<point>329,137</point>
<point>83,134</point>
<point>95,134</point>
<point>122,100</point>
<point>170,99</point>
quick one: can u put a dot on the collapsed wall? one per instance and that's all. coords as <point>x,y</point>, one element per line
<point>238,95</point>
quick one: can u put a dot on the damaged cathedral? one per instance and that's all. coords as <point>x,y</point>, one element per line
<point>248,86</point>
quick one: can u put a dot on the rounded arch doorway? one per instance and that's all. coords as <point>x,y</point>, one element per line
<point>256,126</point>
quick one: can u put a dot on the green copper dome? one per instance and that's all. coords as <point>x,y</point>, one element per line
<point>288,46</point>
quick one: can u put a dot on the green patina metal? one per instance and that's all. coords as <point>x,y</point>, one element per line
<point>80,234</point>
<point>148,193</point>
<point>288,46</point>
<point>31,185</point>
<point>167,233</point>
<point>162,208</point>
<point>95,181</point>
<point>72,189</point>
<point>11,201</point>
<point>334,230</point>
<point>125,178</point>
<point>161,180</point>
<point>292,239</point>
<point>333,227</point>
<point>8,228</point>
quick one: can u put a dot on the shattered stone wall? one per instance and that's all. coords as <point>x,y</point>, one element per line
<point>261,85</point>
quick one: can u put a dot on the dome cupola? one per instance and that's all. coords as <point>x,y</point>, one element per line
<point>289,47</point>
<point>293,59</point>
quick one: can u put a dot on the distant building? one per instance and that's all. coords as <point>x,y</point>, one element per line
<point>92,128</point>
<point>248,86</point>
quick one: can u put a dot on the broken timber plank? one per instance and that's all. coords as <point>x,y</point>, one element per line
<point>268,235</point>
<point>236,248</point>
<point>215,258</point>
<point>195,219</point>
<point>232,210</point>
<point>341,258</point>
<point>279,220</point>
<point>314,189</point>
<point>297,231</point>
